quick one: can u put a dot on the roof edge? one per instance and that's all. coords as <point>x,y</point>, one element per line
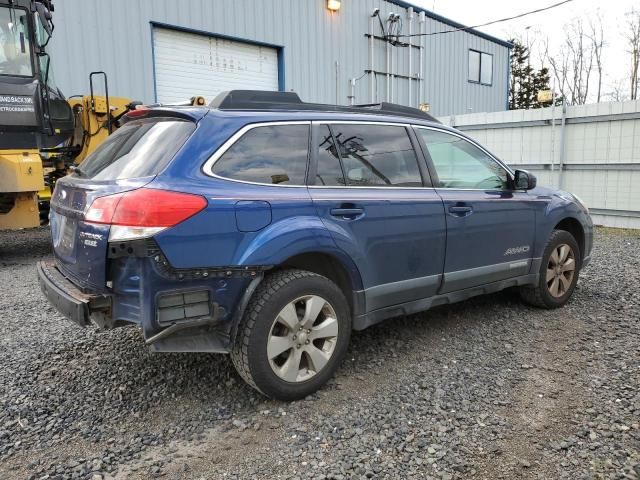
<point>452,23</point>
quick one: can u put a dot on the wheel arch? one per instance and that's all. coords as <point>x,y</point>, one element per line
<point>574,227</point>
<point>340,271</point>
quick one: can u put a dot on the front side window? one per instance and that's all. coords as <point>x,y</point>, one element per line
<point>15,50</point>
<point>329,170</point>
<point>376,155</point>
<point>460,164</point>
<point>274,154</point>
<point>480,67</point>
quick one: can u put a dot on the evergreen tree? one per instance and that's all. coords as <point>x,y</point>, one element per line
<point>525,81</point>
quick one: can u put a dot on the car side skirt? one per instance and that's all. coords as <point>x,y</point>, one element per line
<point>361,322</point>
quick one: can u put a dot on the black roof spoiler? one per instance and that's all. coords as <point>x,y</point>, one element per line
<point>268,100</point>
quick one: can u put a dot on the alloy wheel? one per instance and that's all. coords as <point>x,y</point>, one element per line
<point>302,339</point>
<point>560,270</point>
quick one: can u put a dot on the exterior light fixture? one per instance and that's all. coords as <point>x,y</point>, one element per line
<point>425,107</point>
<point>333,5</point>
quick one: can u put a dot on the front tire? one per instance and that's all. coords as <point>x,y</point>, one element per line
<point>293,336</point>
<point>559,270</point>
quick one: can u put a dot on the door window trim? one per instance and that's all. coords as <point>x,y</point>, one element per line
<point>207,167</point>
<point>434,173</point>
<point>425,174</point>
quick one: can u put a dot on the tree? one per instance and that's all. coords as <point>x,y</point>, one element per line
<point>618,92</point>
<point>632,37</point>
<point>525,81</point>
<point>596,36</point>
<point>573,63</point>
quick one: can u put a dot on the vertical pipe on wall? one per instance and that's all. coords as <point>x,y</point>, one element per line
<point>372,75</point>
<point>388,99</point>
<point>410,17</point>
<point>422,21</point>
<point>553,125</point>
<point>337,83</point>
<point>563,140</point>
<point>352,91</point>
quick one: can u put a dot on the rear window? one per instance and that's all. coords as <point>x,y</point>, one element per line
<point>271,154</point>
<point>140,148</point>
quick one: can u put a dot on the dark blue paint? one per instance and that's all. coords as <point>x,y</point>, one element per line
<point>410,235</point>
<point>252,215</point>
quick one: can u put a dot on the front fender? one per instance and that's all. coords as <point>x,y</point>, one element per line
<point>555,207</point>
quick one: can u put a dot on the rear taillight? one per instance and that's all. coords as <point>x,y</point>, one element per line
<point>144,212</point>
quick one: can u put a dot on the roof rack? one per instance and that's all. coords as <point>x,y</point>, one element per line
<point>267,100</point>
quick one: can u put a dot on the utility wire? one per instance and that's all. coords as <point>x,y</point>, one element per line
<point>488,23</point>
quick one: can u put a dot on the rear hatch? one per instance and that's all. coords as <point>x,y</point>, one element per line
<point>127,160</point>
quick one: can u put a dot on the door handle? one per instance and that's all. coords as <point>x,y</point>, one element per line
<point>348,213</point>
<point>460,210</point>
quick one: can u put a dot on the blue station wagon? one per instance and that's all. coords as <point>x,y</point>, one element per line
<point>269,229</point>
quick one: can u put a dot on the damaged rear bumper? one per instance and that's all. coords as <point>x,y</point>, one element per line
<point>68,299</point>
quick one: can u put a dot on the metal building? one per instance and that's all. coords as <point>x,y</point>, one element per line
<point>169,50</point>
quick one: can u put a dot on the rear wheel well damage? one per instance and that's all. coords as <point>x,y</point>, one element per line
<point>573,226</point>
<point>327,266</point>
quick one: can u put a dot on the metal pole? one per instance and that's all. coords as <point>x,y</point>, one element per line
<point>563,136</point>
<point>337,82</point>
<point>388,98</point>
<point>352,91</point>
<point>410,17</point>
<point>372,75</point>
<point>553,126</point>
<point>392,77</point>
<point>422,19</point>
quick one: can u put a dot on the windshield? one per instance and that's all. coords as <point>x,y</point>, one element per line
<point>15,50</point>
<point>140,148</point>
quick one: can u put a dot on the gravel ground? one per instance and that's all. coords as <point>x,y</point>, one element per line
<point>488,388</point>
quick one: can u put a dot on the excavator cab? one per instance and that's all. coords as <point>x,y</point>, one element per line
<point>43,134</point>
<point>33,111</point>
<point>34,114</point>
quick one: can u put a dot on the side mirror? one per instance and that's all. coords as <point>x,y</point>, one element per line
<point>525,180</point>
<point>44,15</point>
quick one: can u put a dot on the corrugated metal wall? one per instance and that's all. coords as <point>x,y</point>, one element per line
<point>115,36</point>
<point>599,151</point>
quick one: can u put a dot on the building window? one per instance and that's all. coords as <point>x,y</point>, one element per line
<point>480,67</point>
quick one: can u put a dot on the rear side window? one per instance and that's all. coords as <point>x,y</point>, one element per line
<point>376,155</point>
<point>271,154</point>
<point>140,148</point>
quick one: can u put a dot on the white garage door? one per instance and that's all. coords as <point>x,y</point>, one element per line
<point>188,64</point>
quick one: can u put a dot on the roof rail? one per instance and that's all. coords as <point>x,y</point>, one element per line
<point>250,99</point>
<point>396,109</point>
<point>267,100</point>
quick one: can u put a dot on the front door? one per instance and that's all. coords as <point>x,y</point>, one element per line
<point>490,226</point>
<point>367,186</point>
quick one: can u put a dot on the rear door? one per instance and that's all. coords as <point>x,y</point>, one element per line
<point>490,226</point>
<point>373,194</point>
<point>128,159</point>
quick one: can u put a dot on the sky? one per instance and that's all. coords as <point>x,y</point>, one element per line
<point>547,24</point>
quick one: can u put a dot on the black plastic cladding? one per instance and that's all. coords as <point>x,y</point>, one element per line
<point>256,100</point>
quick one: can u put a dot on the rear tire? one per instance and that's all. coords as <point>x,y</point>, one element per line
<point>293,336</point>
<point>559,271</point>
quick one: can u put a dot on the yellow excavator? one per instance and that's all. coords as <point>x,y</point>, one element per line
<point>42,133</point>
